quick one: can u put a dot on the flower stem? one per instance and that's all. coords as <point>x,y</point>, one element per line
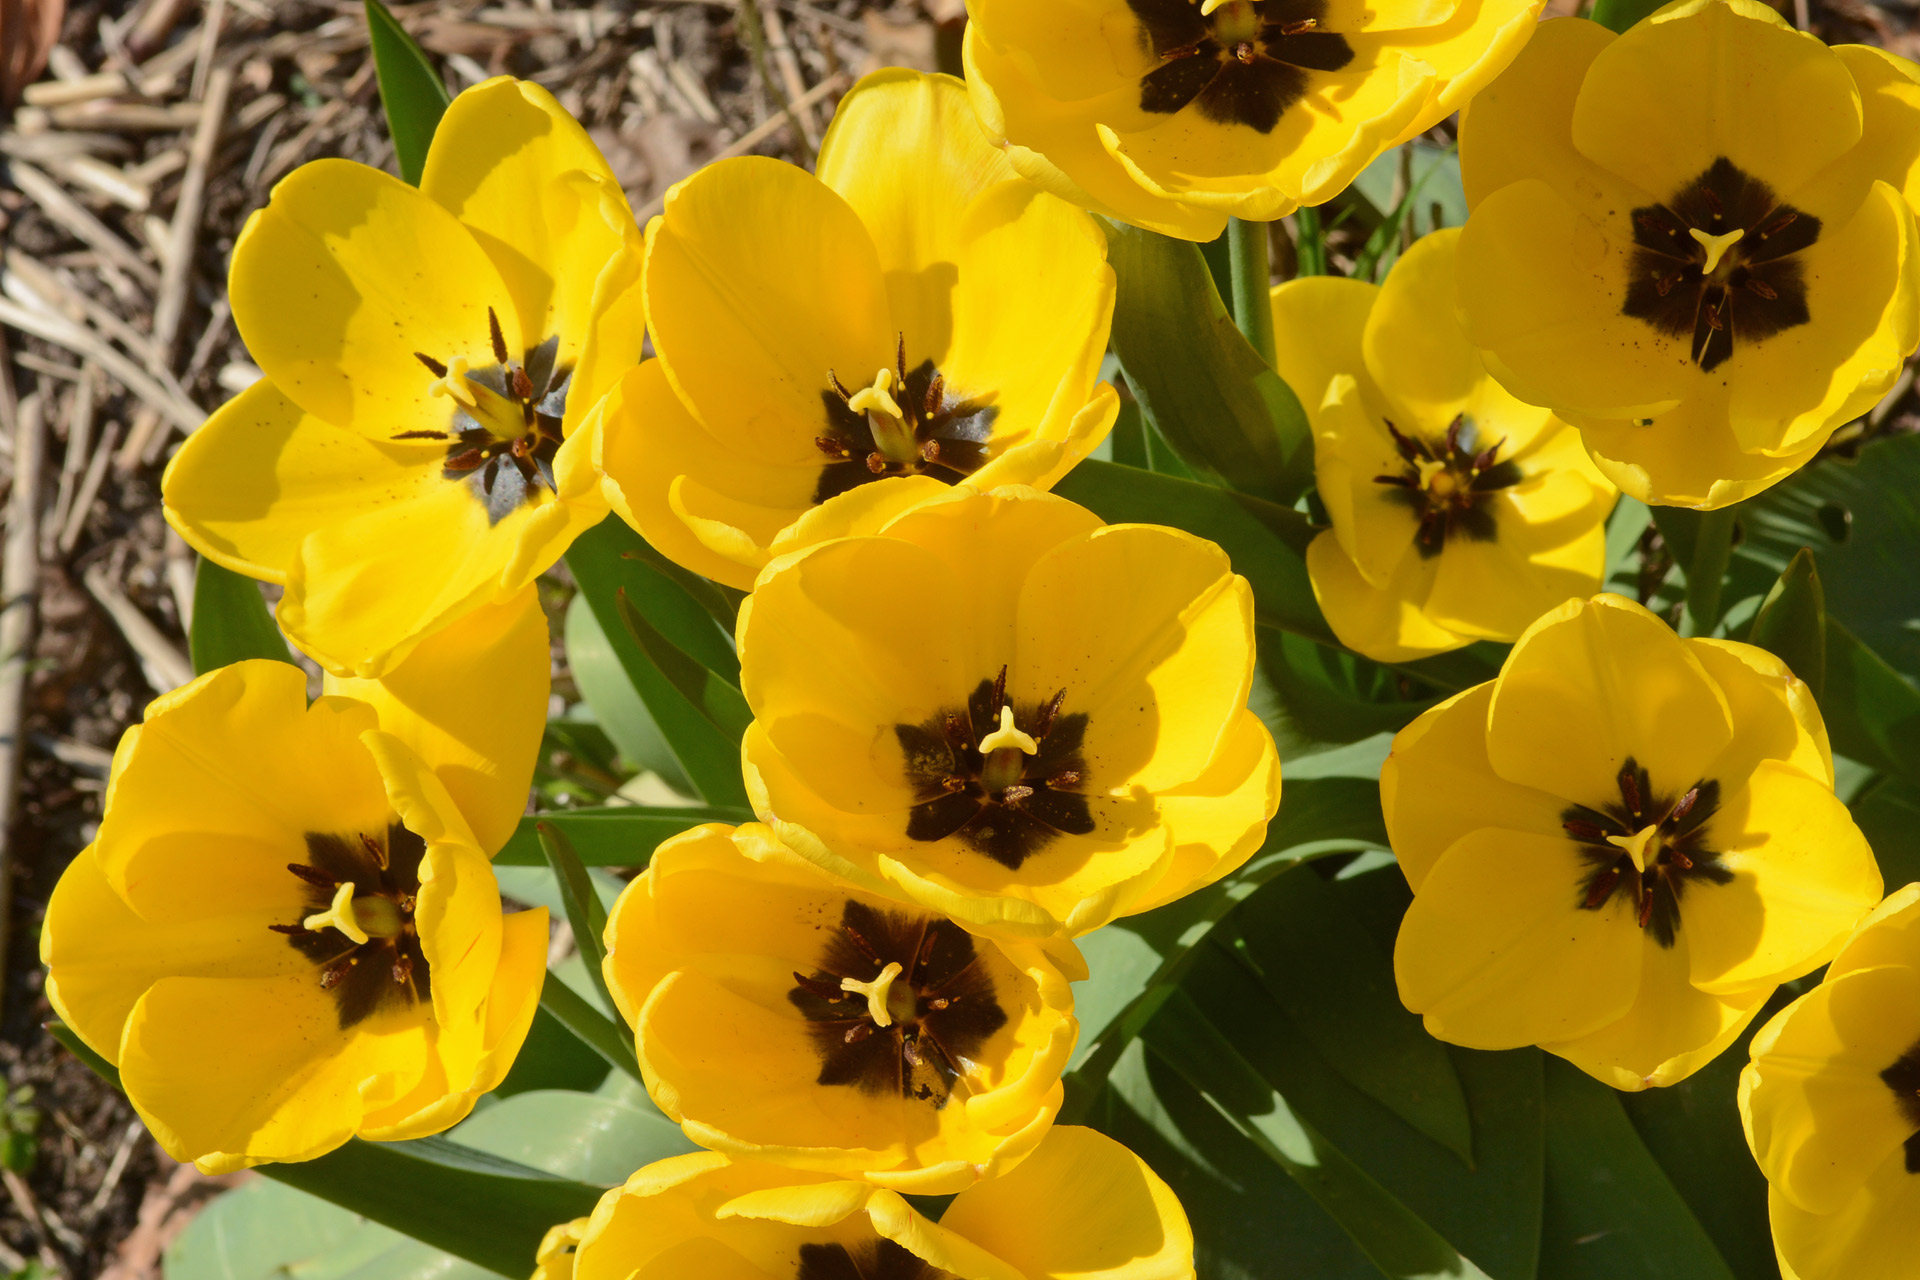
<point>1706,575</point>
<point>1310,242</point>
<point>1252,311</point>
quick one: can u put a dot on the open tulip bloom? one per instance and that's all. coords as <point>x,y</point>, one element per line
<point>1831,1104</point>
<point>1174,114</point>
<point>287,932</point>
<point>1693,241</point>
<point>1458,512</point>
<point>1031,722</point>
<point>422,441</point>
<point>783,1016</point>
<point>914,316</point>
<point>1081,1206</point>
<point>1620,847</point>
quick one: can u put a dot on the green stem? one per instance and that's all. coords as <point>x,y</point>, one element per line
<point>1252,279</point>
<point>1311,243</point>
<point>1712,548</point>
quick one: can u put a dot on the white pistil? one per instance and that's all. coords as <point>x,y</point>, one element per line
<point>455,386</point>
<point>339,915</point>
<point>1642,846</point>
<point>876,993</point>
<point>891,434</point>
<point>1007,735</point>
<point>1716,246</point>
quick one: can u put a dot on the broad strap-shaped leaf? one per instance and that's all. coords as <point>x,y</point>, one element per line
<point>1196,376</point>
<point>1871,711</point>
<point>709,757</point>
<point>1319,966</point>
<point>616,836</point>
<point>586,914</point>
<point>410,89</point>
<point>721,603</point>
<point>1398,1241</point>
<point>1610,1209</point>
<point>1792,622</point>
<point>591,1027</point>
<point>230,620</point>
<point>485,1209</point>
<point>710,693</point>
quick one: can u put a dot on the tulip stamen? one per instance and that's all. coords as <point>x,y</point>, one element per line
<point>507,421</point>
<point>897,1003</point>
<point>1716,264</point>
<point>1447,484</point>
<point>904,422</point>
<point>1239,63</point>
<point>1652,847</point>
<point>360,894</point>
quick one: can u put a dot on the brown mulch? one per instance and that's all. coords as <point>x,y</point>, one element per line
<point>154,130</point>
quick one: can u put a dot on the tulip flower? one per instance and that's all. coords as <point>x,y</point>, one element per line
<point>1174,114</point>
<point>998,708</point>
<point>1620,847</point>
<point>782,1016</point>
<point>1831,1105</point>
<point>1082,1205</point>
<point>422,442</point>
<point>1458,512</point>
<point>1693,241</point>
<point>287,932</point>
<point>914,316</point>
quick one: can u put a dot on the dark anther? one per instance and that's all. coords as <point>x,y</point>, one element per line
<point>334,974</point>
<point>403,969</point>
<point>1453,432</point>
<point>930,451</point>
<point>499,339</point>
<point>1295,28</point>
<point>857,1033</point>
<point>1630,788</point>
<point>1064,778</point>
<point>829,446</point>
<point>1243,64</point>
<point>1583,830</point>
<point>419,435</point>
<point>825,990</point>
<point>877,463</point>
<point>465,460</point>
<point>900,358</point>
<point>936,390</point>
<point>291,930</point>
<point>434,367</point>
<point>396,968</point>
<point>1015,793</point>
<point>950,435</point>
<point>1049,713</point>
<point>1677,857</point>
<point>911,1051</point>
<point>373,848</point>
<point>1244,52</point>
<point>839,390</point>
<point>1683,808</point>
<point>313,876</point>
<point>1602,888</point>
<point>866,948</point>
<point>1757,287</point>
<point>999,693</point>
<point>1451,499</point>
<point>522,385</point>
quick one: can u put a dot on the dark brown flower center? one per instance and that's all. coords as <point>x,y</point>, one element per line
<point>506,425</point>
<point>1717,262</point>
<point>382,965</point>
<point>879,1260</point>
<point>1671,836</point>
<point>1244,63</point>
<point>1903,1077</point>
<point>907,423</point>
<point>1005,801</point>
<point>899,1005</point>
<point>1447,483</point>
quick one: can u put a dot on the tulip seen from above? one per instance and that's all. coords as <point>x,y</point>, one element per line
<point>1458,512</point>
<point>422,443</point>
<point>1694,241</point>
<point>1620,847</point>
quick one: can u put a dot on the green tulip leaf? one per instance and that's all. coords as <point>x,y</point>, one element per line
<point>588,1025</point>
<point>709,693</point>
<point>616,836</point>
<point>410,89</point>
<point>586,914</point>
<point>230,621</point>
<point>1792,622</point>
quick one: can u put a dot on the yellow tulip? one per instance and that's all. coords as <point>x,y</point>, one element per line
<point>422,443</point>
<point>1174,114</point>
<point>287,932</point>
<point>1082,1205</point>
<point>915,315</point>
<point>1694,241</point>
<point>1458,512</point>
<point>784,1017</point>
<point>996,707</point>
<point>1619,847</point>
<point>1831,1105</point>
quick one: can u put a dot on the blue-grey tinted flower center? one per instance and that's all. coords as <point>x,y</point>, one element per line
<point>360,892</point>
<point>506,423</point>
<point>876,1260</point>
<point>905,422</point>
<point>899,1005</point>
<point>1716,263</point>
<point>1242,62</point>
<point>1903,1077</point>
<point>1648,846</point>
<point>1446,484</point>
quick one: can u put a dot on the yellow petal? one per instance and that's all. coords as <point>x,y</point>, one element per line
<point>1819,1117</point>
<point>1871,1238</point>
<point>1495,951</point>
<point>1219,819</point>
<point>500,162</point>
<point>1437,786</point>
<point>1521,125</point>
<point>1889,148</point>
<point>1413,343</point>
<point>1774,714</point>
<point>1716,78</point>
<point>1597,682</point>
<point>1803,876</point>
<point>1494,589</point>
<point>1387,622</point>
<point>471,703</point>
<point>1687,456</point>
<point>1317,326</point>
<point>1081,1205</point>
<point>1890,934</point>
<point>345,275</point>
<point>232,1072</point>
<point>1672,1030</point>
<point>759,281</point>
